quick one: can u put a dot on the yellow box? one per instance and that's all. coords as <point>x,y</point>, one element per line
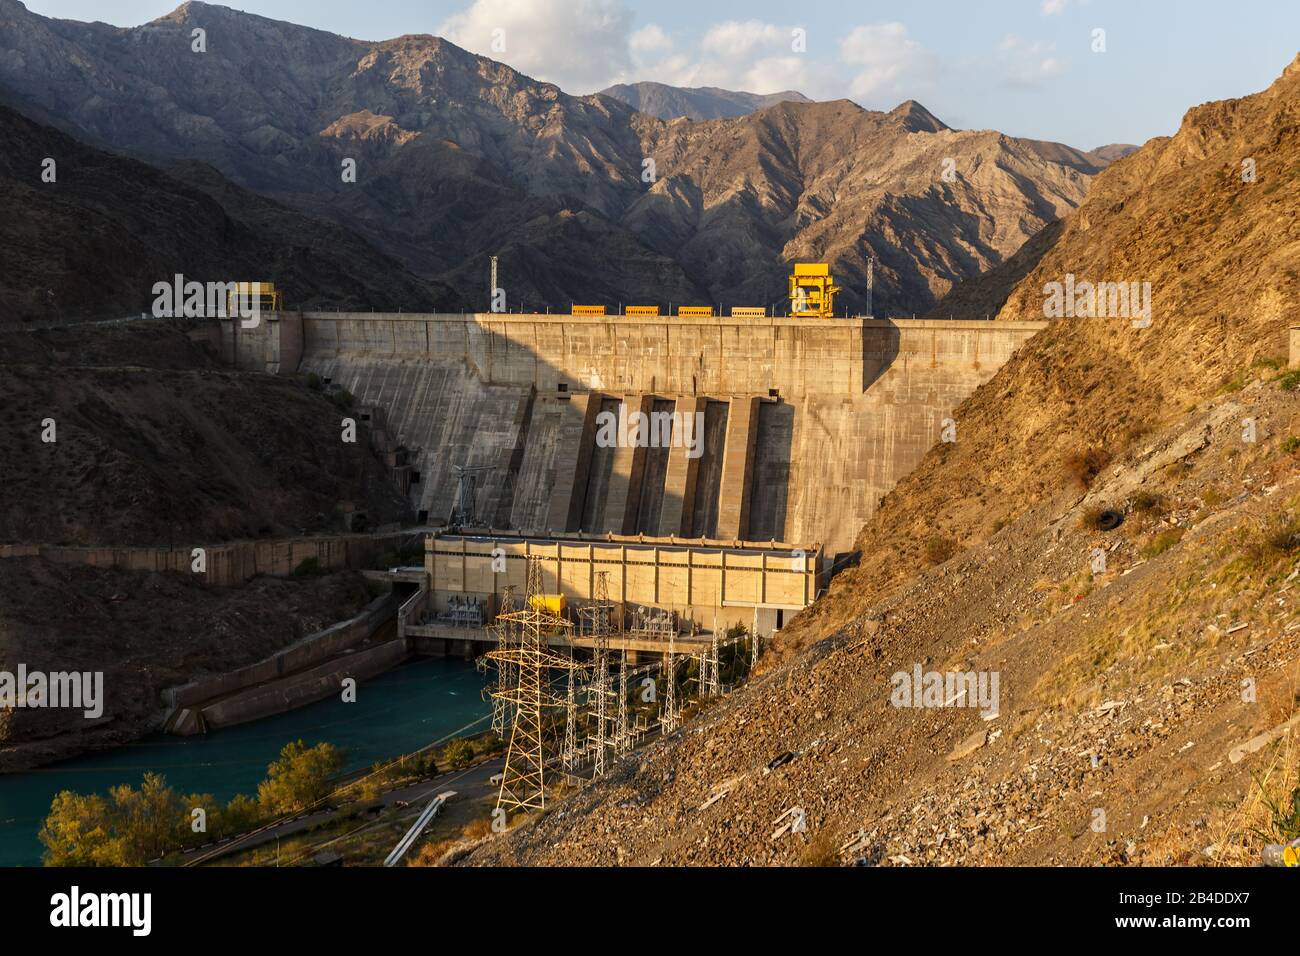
<point>550,603</point>
<point>812,269</point>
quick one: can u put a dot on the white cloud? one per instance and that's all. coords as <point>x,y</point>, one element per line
<point>891,66</point>
<point>750,55</point>
<point>580,45</point>
<point>1028,64</point>
<point>1052,8</point>
<point>650,39</point>
<point>586,45</point>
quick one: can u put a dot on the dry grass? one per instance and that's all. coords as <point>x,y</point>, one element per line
<point>1084,465</point>
<point>939,549</point>
<point>820,851</point>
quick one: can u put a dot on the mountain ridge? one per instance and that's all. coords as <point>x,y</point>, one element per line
<point>458,156</point>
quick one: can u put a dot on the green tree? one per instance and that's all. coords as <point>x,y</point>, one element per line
<point>457,754</point>
<point>240,815</point>
<point>299,778</point>
<point>129,827</point>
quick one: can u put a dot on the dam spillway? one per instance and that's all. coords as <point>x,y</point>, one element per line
<point>807,422</point>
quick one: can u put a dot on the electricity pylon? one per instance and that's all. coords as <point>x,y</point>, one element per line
<point>668,714</point>
<point>599,612</point>
<point>523,782</point>
<point>504,628</point>
<point>570,753</point>
<point>622,736</point>
<point>709,670</point>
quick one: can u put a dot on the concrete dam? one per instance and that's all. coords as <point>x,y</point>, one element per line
<point>807,423</point>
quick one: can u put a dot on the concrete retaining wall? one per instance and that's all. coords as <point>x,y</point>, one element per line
<point>229,564</point>
<point>303,688</point>
<point>308,652</point>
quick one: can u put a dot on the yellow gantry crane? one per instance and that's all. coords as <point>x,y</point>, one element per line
<point>812,291</point>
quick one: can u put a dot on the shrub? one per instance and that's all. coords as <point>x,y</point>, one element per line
<point>1289,380</point>
<point>1291,444</point>
<point>939,549</point>
<point>1283,536</point>
<point>1161,543</point>
<point>1147,503</point>
<point>1085,465</point>
<point>1283,823</point>
<point>457,754</point>
<point>313,381</point>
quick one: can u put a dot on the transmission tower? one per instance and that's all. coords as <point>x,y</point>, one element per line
<point>599,613</point>
<point>523,782</point>
<point>668,715</point>
<point>622,736</point>
<point>504,628</point>
<point>570,754</point>
<point>709,670</point>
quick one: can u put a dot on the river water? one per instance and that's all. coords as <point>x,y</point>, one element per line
<point>395,713</point>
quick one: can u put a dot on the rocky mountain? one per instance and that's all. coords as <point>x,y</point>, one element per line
<point>1115,535</point>
<point>696,103</point>
<point>93,241</point>
<point>458,157</point>
<point>1114,151</point>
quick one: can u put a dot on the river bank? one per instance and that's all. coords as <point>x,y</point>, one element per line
<point>395,713</point>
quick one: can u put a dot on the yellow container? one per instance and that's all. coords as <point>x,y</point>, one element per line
<point>643,310</point>
<point>696,310</point>
<point>553,604</point>
<point>588,310</point>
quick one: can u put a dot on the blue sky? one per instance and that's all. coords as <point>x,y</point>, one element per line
<point>1025,67</point>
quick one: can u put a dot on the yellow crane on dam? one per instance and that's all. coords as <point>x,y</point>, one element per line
<point>812,290</point>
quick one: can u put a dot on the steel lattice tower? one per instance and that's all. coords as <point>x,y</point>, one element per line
<point>523,782</point>
<point>599,612</point>
<point>622,738</point>
<point>570,753</point>
<point>504,628</point>
<point>709,671</point>
<point>668,714</point>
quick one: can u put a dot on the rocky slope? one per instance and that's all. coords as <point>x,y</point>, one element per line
<point>1148,698</point>
<point>696,103</point>
<point>157,444</point>
<point>459,157</point>
<point>93,242</point>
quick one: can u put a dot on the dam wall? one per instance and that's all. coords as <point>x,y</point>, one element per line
<point>807,423</point>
